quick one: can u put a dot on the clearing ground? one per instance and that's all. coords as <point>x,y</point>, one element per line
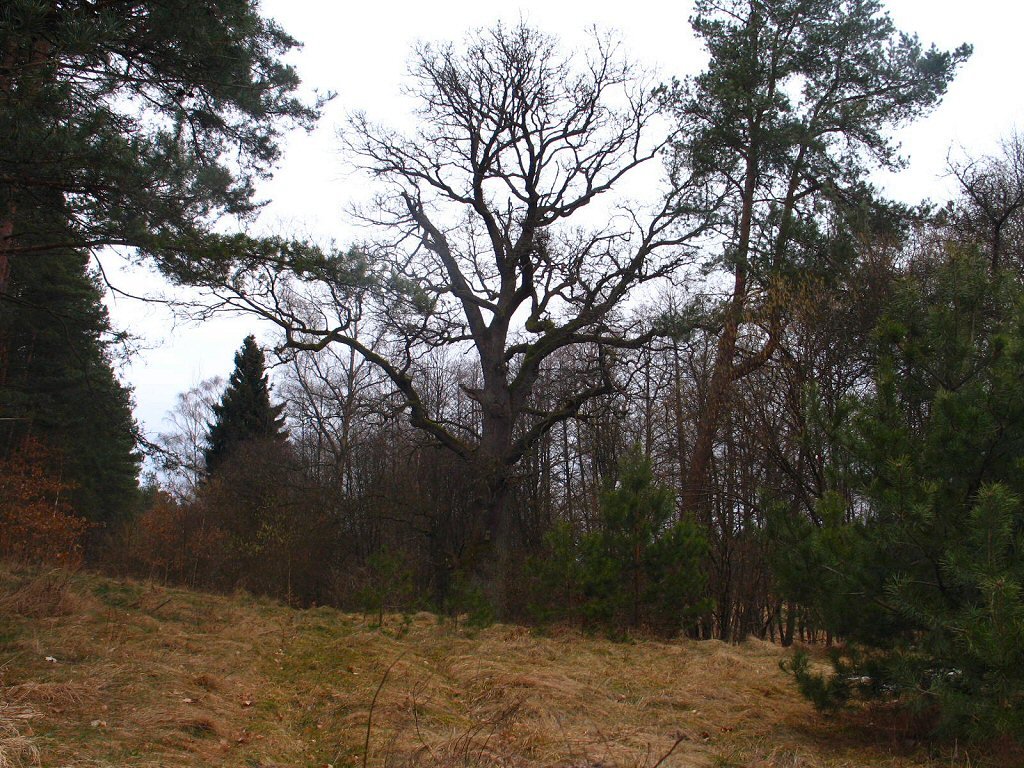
<point>96,672</point>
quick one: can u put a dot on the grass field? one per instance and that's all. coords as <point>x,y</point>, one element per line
<point>96,672</point>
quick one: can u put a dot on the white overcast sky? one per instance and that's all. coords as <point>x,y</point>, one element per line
<point>361,50</point>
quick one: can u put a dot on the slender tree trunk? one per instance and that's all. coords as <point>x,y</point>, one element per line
<point>567,464</point>
<point>677,413</point>
<point>790,628</point>
<point>7,222</point>
<point>441,567</point>
<point>695,491</point>
<point>648,405</point>
<point>6,231</point>
<point>695,501</point>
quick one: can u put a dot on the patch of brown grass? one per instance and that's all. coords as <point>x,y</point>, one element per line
<point>54,694</point>
<point>16,750</point>
<point>178,720</point>
<point>147,676</point>
<point>42,594</point>
<point>588,701</point>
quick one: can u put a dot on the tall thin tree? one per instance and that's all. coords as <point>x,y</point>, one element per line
<point>797,104</point>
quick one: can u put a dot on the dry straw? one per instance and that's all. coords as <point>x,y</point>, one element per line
<point>148,676</point>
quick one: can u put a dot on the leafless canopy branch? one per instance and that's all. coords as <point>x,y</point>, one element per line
<point>484,239</point>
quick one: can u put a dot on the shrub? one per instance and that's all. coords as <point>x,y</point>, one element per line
<point>641,568</point>
<point>36,522</point>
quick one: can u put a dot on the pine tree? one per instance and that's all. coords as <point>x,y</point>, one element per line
<point>58,386</point>
<point>795,109</point>
<point>245,412</point>
<point>138,124</point>
<point>925,581</point>
<point>641,568</point>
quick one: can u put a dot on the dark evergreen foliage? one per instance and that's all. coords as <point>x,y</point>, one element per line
<point>926,579</point>
<point>138,123</point>
<point>245,412</point>
<point>641,566</point>
<point>57,383</point>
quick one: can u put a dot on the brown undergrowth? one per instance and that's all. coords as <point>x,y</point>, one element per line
<point>96,672</point>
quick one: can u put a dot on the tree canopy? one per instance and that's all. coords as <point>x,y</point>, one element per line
<point>796,105</point>
<point>138,124</point>
<point>924,582</point>
<point>476,246</point>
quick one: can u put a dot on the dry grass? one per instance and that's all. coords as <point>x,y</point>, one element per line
<point>146,676</point>
<point>16,750</point>
<point>46,593</point>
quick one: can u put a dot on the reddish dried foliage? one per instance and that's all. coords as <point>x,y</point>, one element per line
<point>36,521</point>
<point>174,542</point>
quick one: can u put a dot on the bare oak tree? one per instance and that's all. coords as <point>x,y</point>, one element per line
<point>485,243</point>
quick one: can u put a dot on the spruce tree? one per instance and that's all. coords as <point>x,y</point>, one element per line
<point>58,385</point>
<point>245,412</point>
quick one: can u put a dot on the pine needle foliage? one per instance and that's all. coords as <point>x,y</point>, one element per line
<point>923,574</point>
<point>641,567</point>
<point>139,124</point>
<point>58,385</point>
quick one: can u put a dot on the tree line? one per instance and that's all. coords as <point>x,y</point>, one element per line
<point>764,402</point>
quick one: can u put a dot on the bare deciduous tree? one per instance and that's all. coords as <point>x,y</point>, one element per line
<point>993,196</point>
<point>482,245</point>
<point>181,450</point>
